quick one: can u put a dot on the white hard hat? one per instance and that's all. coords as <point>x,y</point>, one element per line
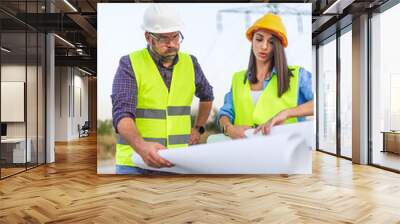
<point>160,18</point>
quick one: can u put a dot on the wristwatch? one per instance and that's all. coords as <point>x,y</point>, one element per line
<point>200,129</point>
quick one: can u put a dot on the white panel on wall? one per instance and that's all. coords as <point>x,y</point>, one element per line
<point>12,101</point>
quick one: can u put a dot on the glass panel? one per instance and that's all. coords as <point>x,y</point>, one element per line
<point>385,86</point>
<point>41,99</point>
<point>23,87</point>
<point>13,85</point>
<point>327,96</point>
<point>31,98</point>
<point>346,94</point>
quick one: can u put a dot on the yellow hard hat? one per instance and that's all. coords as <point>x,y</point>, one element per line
<point>272,23</point>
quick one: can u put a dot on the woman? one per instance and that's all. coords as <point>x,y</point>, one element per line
<point>269,92</point>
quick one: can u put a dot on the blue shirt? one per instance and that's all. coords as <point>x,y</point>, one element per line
<point>305,94</point>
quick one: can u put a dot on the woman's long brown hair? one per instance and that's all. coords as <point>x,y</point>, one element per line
<point>279,62</point>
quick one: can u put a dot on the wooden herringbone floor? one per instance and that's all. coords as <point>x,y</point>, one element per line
<point>70,191</point>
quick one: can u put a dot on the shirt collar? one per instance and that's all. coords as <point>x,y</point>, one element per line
<point>273,72</point>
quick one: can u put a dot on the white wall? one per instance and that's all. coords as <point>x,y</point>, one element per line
<point>61,103</point>
<point>71,93</point>
<point>16,73</point>
<point>80,100</point>
<point>33,126</point>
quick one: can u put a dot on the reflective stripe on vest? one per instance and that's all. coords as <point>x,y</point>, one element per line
<point>150,113</point>
<point>162,141</point>
<point>161,116</point>
<point>178,111</point>
<point>269,103</point>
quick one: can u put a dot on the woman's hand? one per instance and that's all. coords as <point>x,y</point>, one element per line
<point>236,132</point>
<point>278,119</point>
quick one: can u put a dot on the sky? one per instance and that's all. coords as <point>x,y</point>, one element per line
<point>213,34</point>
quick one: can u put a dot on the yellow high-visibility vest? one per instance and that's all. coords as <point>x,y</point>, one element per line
<point>269,103</point>
<point>161,116</point>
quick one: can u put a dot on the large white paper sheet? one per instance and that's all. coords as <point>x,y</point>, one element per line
<point>287,150</point>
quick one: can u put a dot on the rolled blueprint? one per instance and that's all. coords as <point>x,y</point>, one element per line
<point>287,150</point>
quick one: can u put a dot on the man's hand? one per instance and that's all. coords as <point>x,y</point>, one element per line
<point>236,132</point>
<point>194,137</point>
<point>278,119</point>
<point>149,154</point>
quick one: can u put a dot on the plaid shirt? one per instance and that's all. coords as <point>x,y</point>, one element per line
<point>124,89</point>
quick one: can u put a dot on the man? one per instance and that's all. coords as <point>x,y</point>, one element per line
<point>152,94</point>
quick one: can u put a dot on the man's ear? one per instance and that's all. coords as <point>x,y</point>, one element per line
<point>147,37</point>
